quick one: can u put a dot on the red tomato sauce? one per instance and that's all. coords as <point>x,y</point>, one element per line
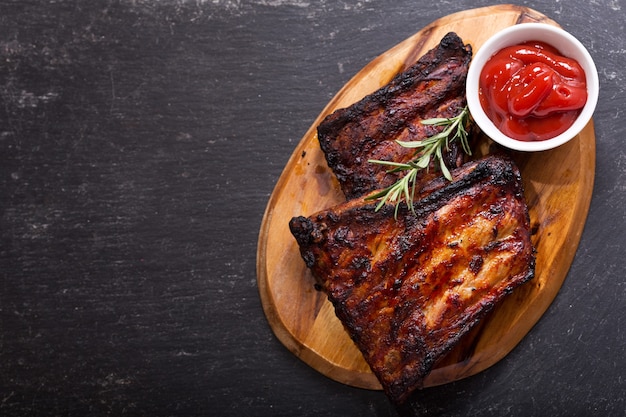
<point>531,92</point>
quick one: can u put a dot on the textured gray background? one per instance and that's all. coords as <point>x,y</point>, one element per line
<point>139,143</point>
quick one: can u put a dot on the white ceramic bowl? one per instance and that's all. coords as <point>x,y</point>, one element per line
<point>567,45</point>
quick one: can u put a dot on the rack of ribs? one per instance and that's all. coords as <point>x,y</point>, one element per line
<point>432,87</point>
<point>408,288</point>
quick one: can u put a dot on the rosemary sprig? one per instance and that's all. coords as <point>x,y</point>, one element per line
<point>431,147</point>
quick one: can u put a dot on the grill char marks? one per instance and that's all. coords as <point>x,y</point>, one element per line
<point>433,87</point>
<point>408,289</point>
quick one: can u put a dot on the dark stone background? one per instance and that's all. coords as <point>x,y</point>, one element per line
<point>139,143</point>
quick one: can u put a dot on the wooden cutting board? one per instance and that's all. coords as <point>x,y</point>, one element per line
<point>558,187</point>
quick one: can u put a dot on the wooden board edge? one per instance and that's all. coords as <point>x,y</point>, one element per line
<point>364,380</point>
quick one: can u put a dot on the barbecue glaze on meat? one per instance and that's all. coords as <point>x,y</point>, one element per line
<point>433,87</point>
<point>407,289</point>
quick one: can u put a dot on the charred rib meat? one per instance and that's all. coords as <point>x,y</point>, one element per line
<point>408,289</point>
<point>433,87</point>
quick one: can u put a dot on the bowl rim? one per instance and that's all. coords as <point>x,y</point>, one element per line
<point>567,45</point>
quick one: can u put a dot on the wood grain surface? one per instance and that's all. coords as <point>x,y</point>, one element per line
<point>558,187</point>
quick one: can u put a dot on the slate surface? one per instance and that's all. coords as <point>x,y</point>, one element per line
<point>139,143</point>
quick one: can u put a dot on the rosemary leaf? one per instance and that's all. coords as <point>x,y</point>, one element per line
<point>425,151</point>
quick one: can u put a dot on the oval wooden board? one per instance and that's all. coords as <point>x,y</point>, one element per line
<point>558,187</point>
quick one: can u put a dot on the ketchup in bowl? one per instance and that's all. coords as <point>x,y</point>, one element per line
<point>531,92</point>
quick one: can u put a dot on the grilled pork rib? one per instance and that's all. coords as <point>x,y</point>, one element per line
<point>433,87</point>
<point>407,289</point>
